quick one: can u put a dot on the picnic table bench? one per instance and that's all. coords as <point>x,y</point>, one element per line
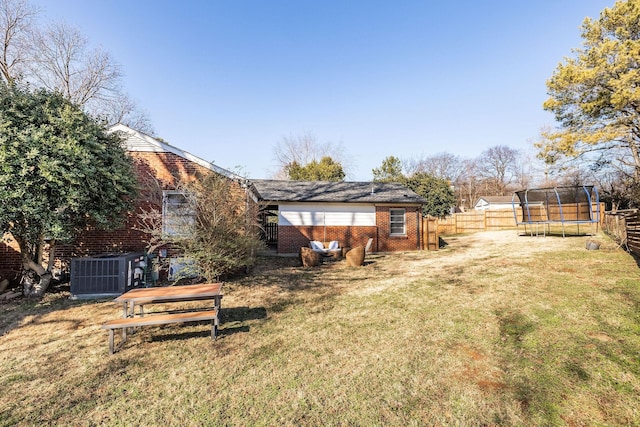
<point>145,296</point>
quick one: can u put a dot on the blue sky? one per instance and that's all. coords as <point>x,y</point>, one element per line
<point>227,80</point>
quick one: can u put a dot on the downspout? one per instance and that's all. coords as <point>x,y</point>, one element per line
<point>324,223</point>
<point>248,211</point>
<point>418,223</point>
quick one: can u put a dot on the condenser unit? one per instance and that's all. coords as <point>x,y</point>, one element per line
<point>106,275</point>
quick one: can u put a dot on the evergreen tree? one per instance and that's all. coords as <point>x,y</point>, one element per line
<point>60,172</point>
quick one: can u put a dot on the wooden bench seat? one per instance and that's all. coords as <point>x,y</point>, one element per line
<point>142,303</point>
<point>160,319</point>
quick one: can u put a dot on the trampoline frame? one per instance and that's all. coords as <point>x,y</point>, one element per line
<point>550,200</point>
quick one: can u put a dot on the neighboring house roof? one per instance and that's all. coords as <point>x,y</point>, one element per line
<point>493,203</point>
<point>495,199</point>
<point>137,141</point>
<point>334,192</point>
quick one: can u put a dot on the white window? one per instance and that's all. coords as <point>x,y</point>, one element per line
<point>397,221</point>
<point>178,216</point>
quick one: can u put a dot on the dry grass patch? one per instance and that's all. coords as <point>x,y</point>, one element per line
<point>494,330</point>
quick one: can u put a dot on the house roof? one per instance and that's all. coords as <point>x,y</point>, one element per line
<point>495,199</point>
<point>334,192</point>
<point>137,141</point>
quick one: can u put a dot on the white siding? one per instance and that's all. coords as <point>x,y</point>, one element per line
<point>140,142</point>
<point>481,205</point>
<point>327,214</point>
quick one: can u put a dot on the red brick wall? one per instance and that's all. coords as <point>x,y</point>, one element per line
<point>167,168</point>
<point>10,259</point>
<point>93,242</point>
<point>291,238</point>
<point>389,243</point>
<point>156,172</point>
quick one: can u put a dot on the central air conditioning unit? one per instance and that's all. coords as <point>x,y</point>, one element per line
<point>106,275</point>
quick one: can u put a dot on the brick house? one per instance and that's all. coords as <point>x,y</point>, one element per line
<point>157,164</point>
<point>295,211</point>
<point>349,212</point>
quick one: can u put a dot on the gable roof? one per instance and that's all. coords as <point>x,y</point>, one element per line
<point>495,199</point>
<point>137,141</point>
<point>335,192</point>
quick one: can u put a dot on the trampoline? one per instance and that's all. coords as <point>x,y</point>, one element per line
<point>568,205</point>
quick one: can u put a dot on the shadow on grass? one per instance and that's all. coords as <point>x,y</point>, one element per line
<point>267,264</point>
<point>231,322</point>
<point>205,333</point>
<point>283,283</point>
<point>160,336</point>
<point>636,257</point>
<point>242,314</point>
<point>536,389</point>
<point>16,310</point>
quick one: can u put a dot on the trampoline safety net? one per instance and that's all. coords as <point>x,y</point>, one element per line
<point>566,205</point>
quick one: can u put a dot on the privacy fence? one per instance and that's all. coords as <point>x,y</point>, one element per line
<point>491,220</point>
<point>504,219</point>
<point>624,227</point>
<point>466,222</point>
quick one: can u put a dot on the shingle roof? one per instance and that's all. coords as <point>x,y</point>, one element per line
<point>496,199</point>
<point>327,191</point>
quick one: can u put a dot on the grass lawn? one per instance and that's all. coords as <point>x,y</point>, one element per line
<point>495,329</point>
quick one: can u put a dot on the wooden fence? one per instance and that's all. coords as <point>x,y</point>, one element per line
<point>489,220</point>
<point>624,227</point>
<point>633,233</point>
<point>430,236</point>
<point>466,222</point>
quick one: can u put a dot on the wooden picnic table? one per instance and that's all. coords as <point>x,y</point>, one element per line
<point>144,296</point>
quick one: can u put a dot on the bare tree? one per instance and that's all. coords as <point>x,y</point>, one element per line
<point>63,62</point>
<point>301,149</point>
<point>124,110</point>
<point>90,77</point>
<point>59,57</point>
<point>16,25</point>
<point>442,165</point>
<point>470,184</point>
<point>499,166</point>
<point>305,149</point>
<point>148,215</point>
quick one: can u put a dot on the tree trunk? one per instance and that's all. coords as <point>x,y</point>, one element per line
<point>35,279</point>
<point>633,147</point>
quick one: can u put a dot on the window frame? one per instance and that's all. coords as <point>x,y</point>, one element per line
<point>178,220</point>
<point>397,222</point>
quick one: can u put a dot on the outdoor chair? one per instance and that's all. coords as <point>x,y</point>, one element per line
<point>367,249</point>
<point>332,247</point>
